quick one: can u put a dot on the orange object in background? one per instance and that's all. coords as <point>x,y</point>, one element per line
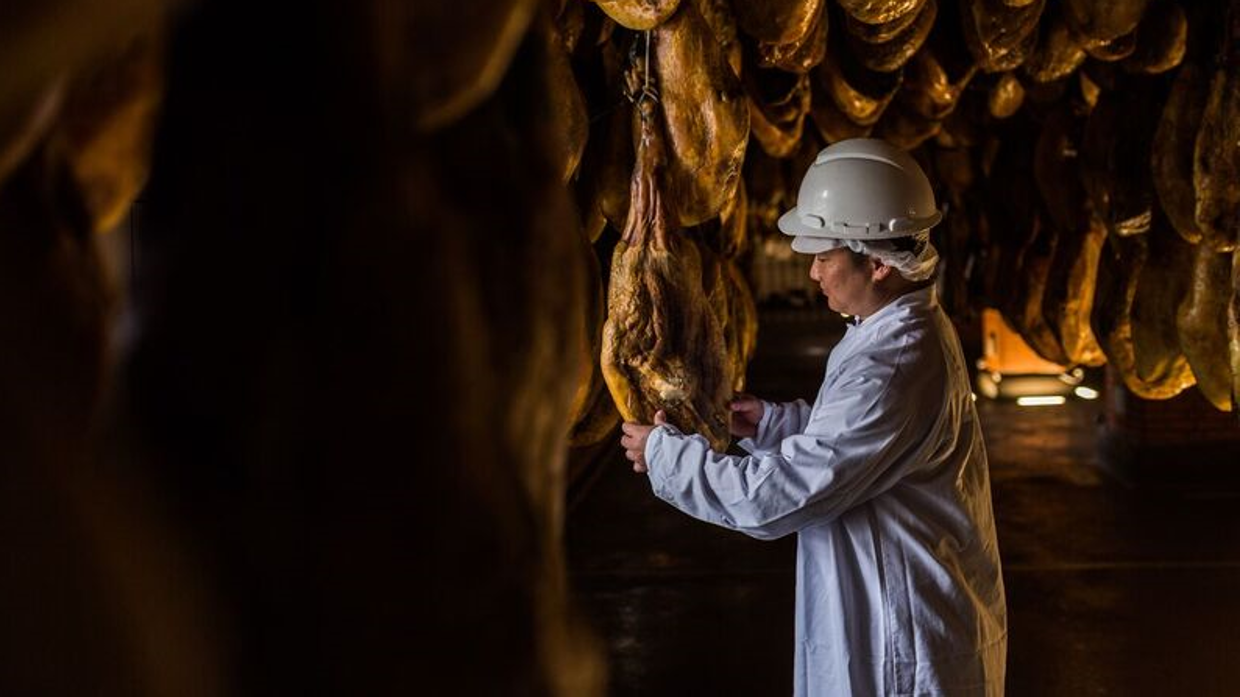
<point>1009,368</point>
<point>1006,353</point>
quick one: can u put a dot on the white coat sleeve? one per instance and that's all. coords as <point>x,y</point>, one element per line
<point>779,420</point>
<point>857,443</point>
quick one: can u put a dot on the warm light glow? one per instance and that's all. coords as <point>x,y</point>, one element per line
<point>1040,401</point>
<point>1086,392</point>
<point>973,395</point>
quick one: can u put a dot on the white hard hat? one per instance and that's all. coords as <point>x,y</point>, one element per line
<point>860,189</point>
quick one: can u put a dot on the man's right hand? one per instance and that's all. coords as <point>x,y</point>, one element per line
<point>746,413</point>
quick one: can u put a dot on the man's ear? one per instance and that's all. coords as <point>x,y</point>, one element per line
<point>878,270</point>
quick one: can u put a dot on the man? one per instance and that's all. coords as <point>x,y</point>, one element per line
<point>884,478</point>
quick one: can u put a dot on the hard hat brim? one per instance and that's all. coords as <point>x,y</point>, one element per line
<point>790,224</point>
<point>815,245</point>
<point>793,223</point>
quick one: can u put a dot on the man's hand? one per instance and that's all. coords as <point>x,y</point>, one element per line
<point>634,440</point>
<point>746,413</point>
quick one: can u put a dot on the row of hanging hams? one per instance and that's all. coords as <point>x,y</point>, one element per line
<point>896,68</point>
<point>1128,176</point>
<point>1069,139</point>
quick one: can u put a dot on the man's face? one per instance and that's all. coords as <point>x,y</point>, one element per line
<point>844,279</point>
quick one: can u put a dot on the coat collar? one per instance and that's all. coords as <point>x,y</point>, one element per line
<point>912,301</point>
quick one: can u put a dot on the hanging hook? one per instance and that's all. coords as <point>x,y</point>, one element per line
<point>648,91</point>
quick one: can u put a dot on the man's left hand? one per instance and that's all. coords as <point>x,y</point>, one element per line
<point>634,440</point>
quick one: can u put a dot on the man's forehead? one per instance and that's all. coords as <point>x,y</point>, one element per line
<point>835,251</point>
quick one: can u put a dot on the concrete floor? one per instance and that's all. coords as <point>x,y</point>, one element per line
<point>1113,588</point>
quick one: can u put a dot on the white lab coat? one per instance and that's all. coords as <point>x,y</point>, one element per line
<point>885,480</point>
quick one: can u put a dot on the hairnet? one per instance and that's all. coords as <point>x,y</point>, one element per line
<point>917,265</point>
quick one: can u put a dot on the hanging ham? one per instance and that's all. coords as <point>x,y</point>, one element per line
<point>663,346</point>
